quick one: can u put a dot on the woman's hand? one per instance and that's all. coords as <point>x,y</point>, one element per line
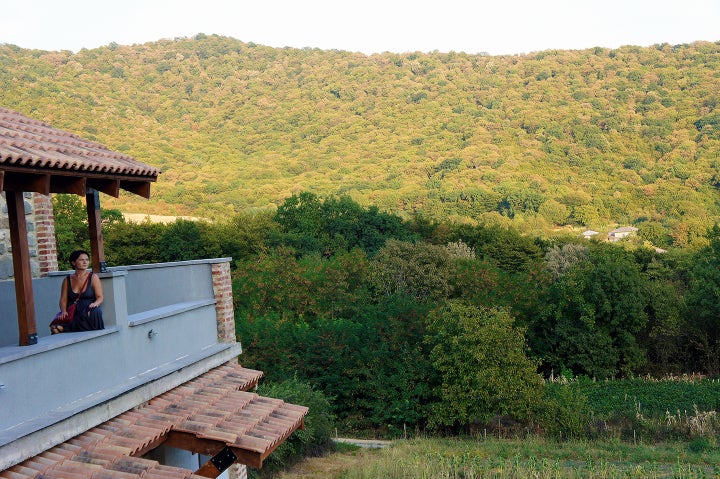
<point>63,314</point>
<point>93,305</point>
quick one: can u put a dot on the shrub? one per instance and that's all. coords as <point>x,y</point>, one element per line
<point>564,412</point>
<point>480,357</point>
<point>314,439</point>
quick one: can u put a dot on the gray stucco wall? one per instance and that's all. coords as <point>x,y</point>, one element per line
<point>46,292</point>
<point>182,282</point>
<point>156,316</point>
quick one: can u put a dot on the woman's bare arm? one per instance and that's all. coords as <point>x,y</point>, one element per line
<point>97,287</point>
<point>63,297</point>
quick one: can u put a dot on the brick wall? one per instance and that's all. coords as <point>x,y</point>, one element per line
<point>222,287</point>
<point>41,236</point>
<point>237,471</point>
<point>45,234</point>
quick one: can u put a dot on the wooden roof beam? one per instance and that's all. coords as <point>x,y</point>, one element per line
<point>208,447</point>
<point>140,188</point>
<point>27,182</point>
<point>68,184</point>
<point>108,186</point>
<point>218,464</point>
<point>2,176</point>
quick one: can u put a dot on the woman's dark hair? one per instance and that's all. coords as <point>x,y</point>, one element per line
<point>76,254</point>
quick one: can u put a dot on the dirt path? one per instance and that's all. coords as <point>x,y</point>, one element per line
<point>367,443</point>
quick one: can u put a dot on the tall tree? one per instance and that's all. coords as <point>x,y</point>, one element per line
<point>483,368</point>
<point>593,314</point>
<point>703,300</point>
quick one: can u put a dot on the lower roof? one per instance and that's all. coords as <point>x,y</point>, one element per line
<point>210,413</point>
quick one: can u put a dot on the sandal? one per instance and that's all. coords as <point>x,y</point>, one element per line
<point>56,329</point>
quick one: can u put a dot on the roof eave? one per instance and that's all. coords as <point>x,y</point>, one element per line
<point>46,181</point>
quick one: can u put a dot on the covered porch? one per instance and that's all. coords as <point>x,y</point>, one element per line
<point>168,345</point>
<point>158,335</point>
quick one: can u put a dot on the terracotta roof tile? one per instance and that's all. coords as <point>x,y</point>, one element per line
<point>73,467</point>
<point>64,475</point>
<point>66,449</point>
<point>32,143</point>
<point>252,443</point>
<point>26,470</point>
<point>167,472</point>
<point>110,474</point>
<point>9,474</point>
<point>212,407</point>
<point>95,457</point>
<point>40,464</point>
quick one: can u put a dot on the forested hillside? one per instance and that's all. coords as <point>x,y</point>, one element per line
<point>589,138</point>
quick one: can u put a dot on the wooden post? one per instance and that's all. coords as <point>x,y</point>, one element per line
<point>27,327</point>
<point>97,250</point>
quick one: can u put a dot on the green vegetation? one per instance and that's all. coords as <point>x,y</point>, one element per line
<point>529,457</point>
<point>313,439</point>
<point>404,235</point>
<point>484,371</point>
<point>632,410</point>
<point>546,141</point>
<point>445,328</point>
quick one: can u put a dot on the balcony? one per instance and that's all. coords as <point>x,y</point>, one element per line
<point>162,328</point>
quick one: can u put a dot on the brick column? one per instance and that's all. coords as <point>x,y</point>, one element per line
<point>45,233</point>
<point>222,287</point>
<point>237,471</point>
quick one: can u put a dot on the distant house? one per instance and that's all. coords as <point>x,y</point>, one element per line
<point>621,232</point>
<point>589,234</point>
<point>159,393</point>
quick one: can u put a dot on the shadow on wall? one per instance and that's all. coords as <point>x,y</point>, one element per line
<point>46,292</point>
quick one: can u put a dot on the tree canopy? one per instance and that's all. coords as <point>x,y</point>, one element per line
<point>583,138</point>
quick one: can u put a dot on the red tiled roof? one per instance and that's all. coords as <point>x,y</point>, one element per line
<point>213,410</point>
<point>25,142</point>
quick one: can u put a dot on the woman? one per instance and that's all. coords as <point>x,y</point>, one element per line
<point>83,288</point>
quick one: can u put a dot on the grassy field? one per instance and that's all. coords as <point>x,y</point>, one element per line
<point>534,458</point>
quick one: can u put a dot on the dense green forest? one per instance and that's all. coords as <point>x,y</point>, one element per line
<point>547,141</point>
<point>446,327</point>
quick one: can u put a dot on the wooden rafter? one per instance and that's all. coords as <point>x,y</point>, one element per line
<point>46,182</point>
<point>190,442</point>
<point>39,183</point>
<point>217,464</point>
<point>140,188</point>
<point>108,186</point>
<point>68,184</point>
